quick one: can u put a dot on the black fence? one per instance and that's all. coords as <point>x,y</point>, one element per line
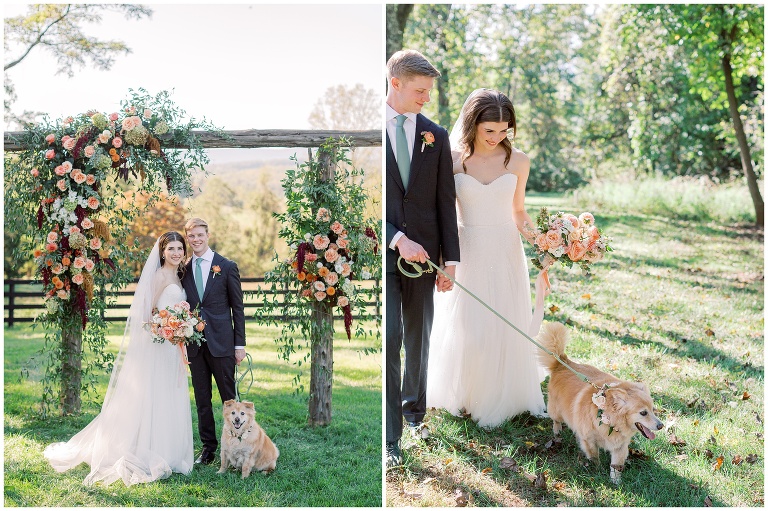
<point>24,301</point>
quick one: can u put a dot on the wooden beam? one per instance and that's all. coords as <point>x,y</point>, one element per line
<point>249,139</point>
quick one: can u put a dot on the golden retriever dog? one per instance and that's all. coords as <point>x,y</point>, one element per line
<point>244,445</point>
<point>627,407</point>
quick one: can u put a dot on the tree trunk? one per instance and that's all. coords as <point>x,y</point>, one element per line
<point>746,158</point>
<point>71,360</point>
<point>321,380</point>
<point>397,17</point>
<point>321,374</point>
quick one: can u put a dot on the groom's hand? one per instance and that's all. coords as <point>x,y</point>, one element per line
<point>411,251</point>
<point>444,283</point>
<point>239,355</point>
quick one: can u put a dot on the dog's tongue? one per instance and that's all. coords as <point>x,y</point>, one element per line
<point>647,432</point>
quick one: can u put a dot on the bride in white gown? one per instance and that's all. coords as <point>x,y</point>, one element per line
<point>478,364</point>
<point>144,430</point>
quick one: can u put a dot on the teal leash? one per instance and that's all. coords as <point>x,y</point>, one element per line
<point>419,271</point>
<point>239,377</point>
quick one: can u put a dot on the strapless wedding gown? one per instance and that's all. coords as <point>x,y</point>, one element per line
<point>477,362</point>
<point>144,430</point>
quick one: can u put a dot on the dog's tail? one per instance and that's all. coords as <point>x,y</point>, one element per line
<point>554,337</point>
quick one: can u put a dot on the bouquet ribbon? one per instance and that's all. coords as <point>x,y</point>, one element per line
<point>542,289</point>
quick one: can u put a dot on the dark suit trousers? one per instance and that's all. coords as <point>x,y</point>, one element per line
<point>202,367</point>
<point>410,309</point>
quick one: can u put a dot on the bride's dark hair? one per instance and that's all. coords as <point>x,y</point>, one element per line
<point>486,105</point>
<point>163,242</point>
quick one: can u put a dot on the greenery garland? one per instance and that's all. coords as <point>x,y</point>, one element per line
<point>70,193</point>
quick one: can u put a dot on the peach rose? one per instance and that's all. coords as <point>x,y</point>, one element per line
<point>320,296</point>
<point>52,236</point>
<point>89,265</point>
<point>428,137</point>
<point>89,151</point>
<point>323,215</point>
<point>554,239</point>
<point>200,326</point>
<point>166,333</point>
<point>342,301</point>
<point>331,255</point>
<point>342,242</point>
<point>69,144</point>
<point>49,154</point>
<point>346,269</point>
<point>59,171</point>
<point>95,244</point>
<point>321,241</point>
<point>576,251</point>
<point>593,233</point>
<point>66,261</point>
<point>117,142</point>
<point>147,113</point>
<point>575,235</point>
<point>113,116</point>
<point>78,279</point>
<point>57,268</point>
<point>337,227</point>
<point>50,138</point>
<point>79,262</point>
<point>571,218</point>
<point>93,202</point>
<point>332,278</point>
<point>163,313</point>
<point>310,257</point>
<point>79,178</point>
<point>86,223</point>
<point>90,179</point>
<point>541,241</point>
<point>51,247</point>
<point>74,229</point>
<point>323,271</point>
<point>67,166</point>
<point>37,253</point>
<point>61,185</point>
<point>34,172</point>
<point>306,293</point>
<point>586,219</point>
<point>319,285</point>
<point>63,295</point>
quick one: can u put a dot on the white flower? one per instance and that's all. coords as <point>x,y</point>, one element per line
<point>348,287</point>
<point>307,237</point>
<point>365,274</point>
<point>558,252</point>
<point>188,331</point>
<point>319,264</point>
<point>599,399</point>
<point>338,266</point>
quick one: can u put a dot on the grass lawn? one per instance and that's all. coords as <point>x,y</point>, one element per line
<point>338,465</point>
<point>678,305</point>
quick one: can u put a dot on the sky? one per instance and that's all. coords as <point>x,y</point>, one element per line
<point>239,66</point>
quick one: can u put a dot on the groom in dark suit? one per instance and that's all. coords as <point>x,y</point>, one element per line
<point>421,224</point>
<point>213,283</point>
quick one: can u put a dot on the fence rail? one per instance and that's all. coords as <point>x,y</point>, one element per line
<point>23,300</point>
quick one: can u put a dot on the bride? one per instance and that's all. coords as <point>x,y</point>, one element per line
<point>479,365</point>
<point>144,430</point>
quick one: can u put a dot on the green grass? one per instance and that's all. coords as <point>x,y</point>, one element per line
<point>338,465</point>
<point>678,305</point>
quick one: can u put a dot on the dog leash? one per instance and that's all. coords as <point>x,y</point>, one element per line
<point>419,271</point>
<point>241,376</point>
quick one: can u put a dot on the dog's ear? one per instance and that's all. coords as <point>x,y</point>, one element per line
<point>642,387</point>
<point>618,397</point>
<point>229,402</point>
<point>248,404</point>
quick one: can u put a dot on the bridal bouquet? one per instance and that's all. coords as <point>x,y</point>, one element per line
<point>568,239</point>
<point>177,325</point>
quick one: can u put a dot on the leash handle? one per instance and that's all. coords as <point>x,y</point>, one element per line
<point>241,376</point>
<point>430,265</point>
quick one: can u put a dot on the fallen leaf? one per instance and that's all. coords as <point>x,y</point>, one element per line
<point>471,445</point>
<point>745,396</point>
<point>709,332</point>
<point>461,497</point>
<point>487,469</point>
<point>717,431</point>
<point>553,309</point>
<point>427,481</point>
<point>732,386</point>
<point>737,460</point>
<point>529,444</point>
<point>692,402</point>
<point>637,453</point>
<point>695,486</point>
<point>448,461</point>
<point>633,319</point>
<point>559,486</point>
<point>541,481</point>
<point>681,457</point>
<point>758,418</point>
<point>530,477</point>
<point>751,458</point>
<point>718,463</point>
<point>586,296</point>
<point>708,501</point>
<point>509,463</point>
<point>676,441</point>
<point>696,422</point>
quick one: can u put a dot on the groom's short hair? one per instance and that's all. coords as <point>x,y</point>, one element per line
<point>195,222</point>
<point>406,64</point>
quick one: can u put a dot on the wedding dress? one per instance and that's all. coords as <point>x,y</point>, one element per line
<point>477,363</point>
<point>144,430</point>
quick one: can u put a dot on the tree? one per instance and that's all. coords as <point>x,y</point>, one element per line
<point>397,17</point>
<point>57,29</point>
<point>162,213</point>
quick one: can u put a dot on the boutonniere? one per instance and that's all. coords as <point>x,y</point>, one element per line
<point>598,398</point>
<point>216,270</point>
<point>427,139</point>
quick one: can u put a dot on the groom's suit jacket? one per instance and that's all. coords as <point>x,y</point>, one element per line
<point>221,306</point>
<point>426,213</point>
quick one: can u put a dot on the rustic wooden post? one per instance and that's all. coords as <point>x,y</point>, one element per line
<point>71,362</point>
<point>321,378</point>
<point>11,298</point>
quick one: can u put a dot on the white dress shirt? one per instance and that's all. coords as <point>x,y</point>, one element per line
<point>205,267</point>
<point>410,135</point>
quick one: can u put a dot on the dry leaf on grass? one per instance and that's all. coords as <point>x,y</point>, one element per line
<point>461,497</point>
<point>586,296</point>
<point>486,470</point>
<point>709,454</point>
<point>637,453</point>
<point>676,441</point>
<point>718,463</point>
<point>559,486</point>
<point>709,332</point>
<point>737,460</point>
<point>681,457</point>
<point>745,396</point>
<point>692,402</point>
<point>708,501</point>
<point>553,309</point>
<point>751,458</point>
<point>541,481</point>
<point>509,463</point>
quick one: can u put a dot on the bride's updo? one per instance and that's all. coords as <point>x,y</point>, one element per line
<point>162,244</point>
<point>485,105</point>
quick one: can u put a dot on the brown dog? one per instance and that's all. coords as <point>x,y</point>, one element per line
<point>627,407</point>
<point>244,445</point>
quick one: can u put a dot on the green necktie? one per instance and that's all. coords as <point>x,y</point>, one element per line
<point>199,278</point>
<point>403,156</point>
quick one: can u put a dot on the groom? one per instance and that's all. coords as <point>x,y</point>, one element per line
<point>421,225</point>
<point>213,283</point>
